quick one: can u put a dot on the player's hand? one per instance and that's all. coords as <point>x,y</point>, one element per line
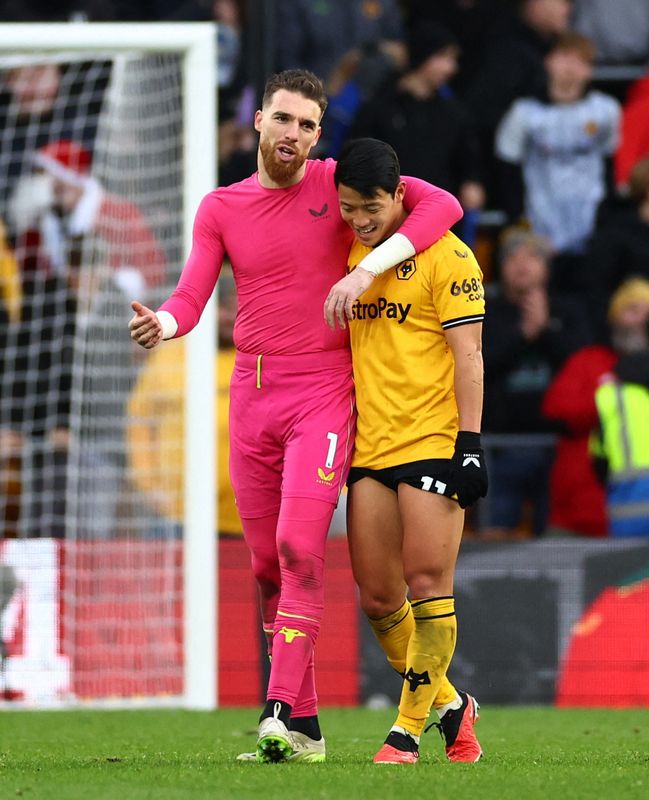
<point>145,326</point>
<point>468,479</point>
<point>340,300</point>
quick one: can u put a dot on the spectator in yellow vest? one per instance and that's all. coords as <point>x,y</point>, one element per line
<point>620,445</point>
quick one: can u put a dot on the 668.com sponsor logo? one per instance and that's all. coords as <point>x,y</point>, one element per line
<point>469,286</point>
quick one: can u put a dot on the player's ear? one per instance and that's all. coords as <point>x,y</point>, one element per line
<point>317,135</point>
<point>259,115</point>
<point>400,191</point>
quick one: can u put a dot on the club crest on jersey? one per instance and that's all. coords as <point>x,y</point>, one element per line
<point>325,477</point>
<point>406,269</point>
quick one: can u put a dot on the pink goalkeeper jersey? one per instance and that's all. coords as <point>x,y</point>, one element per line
<point>287,248</point>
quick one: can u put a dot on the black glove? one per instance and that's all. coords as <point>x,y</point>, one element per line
<point>468,475</point>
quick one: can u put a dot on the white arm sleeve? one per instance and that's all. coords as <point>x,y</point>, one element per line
<point>392,252</point>
<point>169,324</point>
<point>511,133</point>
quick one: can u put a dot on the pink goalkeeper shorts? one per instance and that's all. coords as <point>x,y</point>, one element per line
<point>292,425</point>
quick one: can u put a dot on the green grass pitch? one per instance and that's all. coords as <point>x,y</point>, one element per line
<point>180,755</point>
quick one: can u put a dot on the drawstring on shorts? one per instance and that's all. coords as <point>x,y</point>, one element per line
<point>259,372</point>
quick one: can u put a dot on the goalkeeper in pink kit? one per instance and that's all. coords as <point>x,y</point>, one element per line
<point>292,415</point>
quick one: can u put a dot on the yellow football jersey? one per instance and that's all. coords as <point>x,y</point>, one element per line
<point>403,366</point>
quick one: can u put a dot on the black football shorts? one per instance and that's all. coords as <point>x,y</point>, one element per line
<point>429,475</point>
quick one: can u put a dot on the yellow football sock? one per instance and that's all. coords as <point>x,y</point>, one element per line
<point>446,694</point>
<point>393,634</point>
<point>430,650</point>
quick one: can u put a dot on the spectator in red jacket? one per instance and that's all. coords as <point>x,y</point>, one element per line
<point>634,132</point>
<point>577,498</point>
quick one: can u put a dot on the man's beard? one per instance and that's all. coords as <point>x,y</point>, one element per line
<point>279,172</point>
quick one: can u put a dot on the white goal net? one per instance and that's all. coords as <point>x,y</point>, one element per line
<point>107,146</point>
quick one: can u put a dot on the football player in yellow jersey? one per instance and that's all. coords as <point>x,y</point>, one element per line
<point>418,462</point>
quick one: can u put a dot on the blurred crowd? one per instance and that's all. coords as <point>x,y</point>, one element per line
<point>535,113</point>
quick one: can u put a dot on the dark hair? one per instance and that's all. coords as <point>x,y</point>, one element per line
<point>427,39</point>
<point>296,80</point>
<point>368,165</point>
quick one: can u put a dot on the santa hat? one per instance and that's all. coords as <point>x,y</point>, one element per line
<point>65,160</point>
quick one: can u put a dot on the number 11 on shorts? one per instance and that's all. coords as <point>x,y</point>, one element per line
<point>428,484</point>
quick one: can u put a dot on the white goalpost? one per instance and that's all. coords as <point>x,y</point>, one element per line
<point>133,603</point>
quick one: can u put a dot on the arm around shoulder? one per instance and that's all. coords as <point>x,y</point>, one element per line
<point>431,212</point>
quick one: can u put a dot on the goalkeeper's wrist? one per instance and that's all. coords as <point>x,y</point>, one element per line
<point>168,324</point>
<point>392,252</point>
<point>468,440</point>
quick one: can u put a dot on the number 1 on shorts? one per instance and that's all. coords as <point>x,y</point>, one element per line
<point>331,452</point>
